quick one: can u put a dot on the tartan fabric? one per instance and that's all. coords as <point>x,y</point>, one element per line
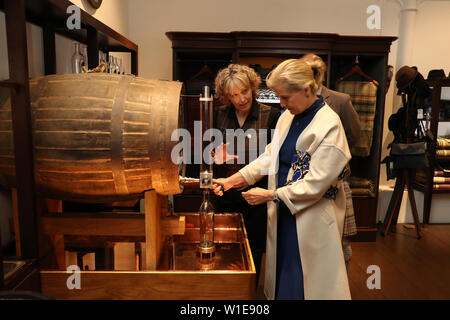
<point>349,220</point>
<point>361,186</point>
<point>443,143</point>
<point>364,99</point>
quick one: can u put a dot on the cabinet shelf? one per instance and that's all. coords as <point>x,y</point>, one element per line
<point>427,187</point>
<point>53,14</point>
<point>421,187</point>
<point>9,84</point>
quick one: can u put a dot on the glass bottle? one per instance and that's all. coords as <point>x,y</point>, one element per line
<point>121,71</point>
<point>84,62</point>
<point>77,59</point>
<point>206,213</point>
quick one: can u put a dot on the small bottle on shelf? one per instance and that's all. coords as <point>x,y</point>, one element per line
<point>77,59</point>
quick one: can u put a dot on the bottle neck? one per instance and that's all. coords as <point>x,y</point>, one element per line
<point>205,194</point>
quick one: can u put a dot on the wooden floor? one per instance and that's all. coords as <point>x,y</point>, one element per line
<point>409,268</point>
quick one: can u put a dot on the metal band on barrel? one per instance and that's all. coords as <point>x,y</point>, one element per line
<point>117,114</point>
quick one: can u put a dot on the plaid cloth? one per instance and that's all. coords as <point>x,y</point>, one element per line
<point>349,220</point>
<point>443,143</point>
<point>361,186</point>
<point>364,99</point>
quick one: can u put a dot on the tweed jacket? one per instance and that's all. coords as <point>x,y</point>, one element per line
<point>342,105</point>
<point>319,219</point>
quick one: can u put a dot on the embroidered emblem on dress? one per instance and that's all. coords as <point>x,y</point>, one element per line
<point>300,166</point>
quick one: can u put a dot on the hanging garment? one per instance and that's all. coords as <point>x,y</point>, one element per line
<point>364,99</point>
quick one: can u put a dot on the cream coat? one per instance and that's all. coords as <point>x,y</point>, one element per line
<point>319,220</point>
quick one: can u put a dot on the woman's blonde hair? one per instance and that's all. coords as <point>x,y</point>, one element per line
<point>294,75</point>
<point>315,61</point>
<point>232,74</point>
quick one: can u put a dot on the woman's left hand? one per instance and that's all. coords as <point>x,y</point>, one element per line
<point>257,196</point>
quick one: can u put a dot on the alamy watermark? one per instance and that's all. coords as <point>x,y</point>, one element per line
<point>74,280</point>
<point>74,20</point>
<point>374,19</point>
<point>374,281</point>
<point>251,143</point>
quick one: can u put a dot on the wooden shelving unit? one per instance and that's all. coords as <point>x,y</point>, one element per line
<point>51,15</point>
<point>427,186</point>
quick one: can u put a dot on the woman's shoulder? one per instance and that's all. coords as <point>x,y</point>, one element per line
<point>327,113</point>
<point>267,109</point>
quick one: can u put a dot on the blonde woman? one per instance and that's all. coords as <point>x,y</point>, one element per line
<point>305,197</point>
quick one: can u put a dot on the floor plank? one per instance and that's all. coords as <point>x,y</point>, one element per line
<point>409,268</point>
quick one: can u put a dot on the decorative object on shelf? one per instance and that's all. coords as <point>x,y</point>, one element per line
<point>78,59</point>
<point>102,67</point>
<point>266,95</point>
<point>95,3</point>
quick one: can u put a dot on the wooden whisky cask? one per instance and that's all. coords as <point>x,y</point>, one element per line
<point>98,137</point>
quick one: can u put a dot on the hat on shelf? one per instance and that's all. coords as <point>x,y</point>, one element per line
<point>436,74</point>
<point>404,77</point>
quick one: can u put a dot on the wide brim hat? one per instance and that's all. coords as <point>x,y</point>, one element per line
<point>404,77</point>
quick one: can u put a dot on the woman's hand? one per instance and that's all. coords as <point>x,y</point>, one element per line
<point>257,196</point>
<point>221,156</point>
<point>223,184</point>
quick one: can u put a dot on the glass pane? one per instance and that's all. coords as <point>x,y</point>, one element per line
<point>444,112</point>
<point>6,171</point>
<point>4,68</point>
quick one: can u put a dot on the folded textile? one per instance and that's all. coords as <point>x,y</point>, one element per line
<point>361,186</point>
<point>441,186</point>
<point>362,192</point>
<point>443,153</point>
<point>360,182</point>
<point>442,173</point>
<point>443,143</point>
<point>441,180</point>
<point>364,99</point>
<point>349,221</point>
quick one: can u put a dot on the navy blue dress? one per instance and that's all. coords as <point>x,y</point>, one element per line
<point>289,274</point>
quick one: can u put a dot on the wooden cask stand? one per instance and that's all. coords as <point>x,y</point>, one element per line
<point>152,283</point>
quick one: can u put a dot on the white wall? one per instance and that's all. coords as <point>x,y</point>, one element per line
<point>150,20</point>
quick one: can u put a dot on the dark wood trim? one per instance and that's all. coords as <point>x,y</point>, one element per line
<point>9,84</point>
<point>48,37</point>
<point>106,224</point>
<point>52,13</point>
<point>92,47</point>
<point>134,62</point>
<point>2,282</point>
<point>21,120</point>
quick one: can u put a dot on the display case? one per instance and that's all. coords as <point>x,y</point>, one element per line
<point>436,178</point>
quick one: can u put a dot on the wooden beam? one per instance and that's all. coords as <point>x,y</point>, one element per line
<point>93,47</point>
<point>21,123</point>
<point>16,221</point>
<point>153,241</point>
<point>152,285</point>
<point>107,225</point>
<point>48,37</point>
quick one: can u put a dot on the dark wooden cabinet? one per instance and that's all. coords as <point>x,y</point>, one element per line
<point>194,50</point>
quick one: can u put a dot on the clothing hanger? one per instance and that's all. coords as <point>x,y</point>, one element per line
<point>204,69</point>
<point>357,70</point>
